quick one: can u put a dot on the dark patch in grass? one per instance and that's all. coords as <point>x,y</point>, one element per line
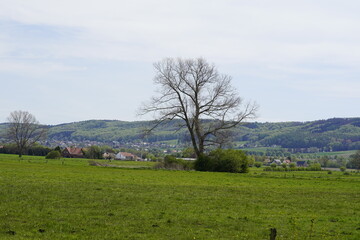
<point>111,214</point>
<point>155,225</point>
<point>41,230</point>
<point>244,219</point>
<point>11,232</point>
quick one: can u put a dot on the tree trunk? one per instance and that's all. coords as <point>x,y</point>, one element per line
<point>20,152</point>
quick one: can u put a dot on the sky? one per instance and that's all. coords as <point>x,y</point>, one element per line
<point>68,61</point>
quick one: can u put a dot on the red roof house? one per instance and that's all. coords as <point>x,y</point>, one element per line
<point>72,152</point>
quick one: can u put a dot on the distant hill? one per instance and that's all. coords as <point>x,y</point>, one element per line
<point>334,134</point>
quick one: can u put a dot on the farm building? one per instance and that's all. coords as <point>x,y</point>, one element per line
<point>72,152</point>
<point>126,156</point>
<point>277,162</point>
<point>108,156</point>
<point>287,161</point>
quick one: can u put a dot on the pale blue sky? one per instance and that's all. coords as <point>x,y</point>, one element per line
<point>67,61</point>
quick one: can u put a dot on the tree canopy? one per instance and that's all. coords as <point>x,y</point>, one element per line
<point>24,130</point>
<point>194,91</point>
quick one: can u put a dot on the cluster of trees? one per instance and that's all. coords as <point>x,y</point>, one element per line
<point>34,150</point>
<point>355,160</point>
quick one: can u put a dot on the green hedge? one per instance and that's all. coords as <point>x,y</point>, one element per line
<point>221,160</point>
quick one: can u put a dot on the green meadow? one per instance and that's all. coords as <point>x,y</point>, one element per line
<point>49,200</point>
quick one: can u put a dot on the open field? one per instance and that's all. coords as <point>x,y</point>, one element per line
<point>42,200</point>
<point>263,150</point>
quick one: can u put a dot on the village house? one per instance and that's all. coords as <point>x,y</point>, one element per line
<point>126,156</point>
<point>108,156</point>
<point>72,152</point>
<point>277,162</point>
<point>287,161</point>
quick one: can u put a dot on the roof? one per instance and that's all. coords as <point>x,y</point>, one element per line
<point>126,154</point>
<point>74,150</point>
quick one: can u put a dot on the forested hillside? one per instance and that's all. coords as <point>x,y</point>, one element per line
<point>335,134</point>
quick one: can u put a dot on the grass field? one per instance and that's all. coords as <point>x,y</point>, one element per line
<point>40,200</point>
<point>263,150</point>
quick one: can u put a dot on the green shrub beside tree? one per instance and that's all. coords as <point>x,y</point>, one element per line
<point>221,160</point>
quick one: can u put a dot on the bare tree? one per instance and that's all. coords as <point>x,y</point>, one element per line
<point>24,130</point>
<point>194,91</point>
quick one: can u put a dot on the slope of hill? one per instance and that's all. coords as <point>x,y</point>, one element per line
<point>333,134</point>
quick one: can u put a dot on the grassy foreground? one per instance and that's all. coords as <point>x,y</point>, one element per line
<point>40,200</point>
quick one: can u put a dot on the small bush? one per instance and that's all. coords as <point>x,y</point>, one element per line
<point>220,160</point>
<point>314,167</point>
<point>53,155</point>
<point>203,163</point>
<point>273,165</point>
<point>343,169</point>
